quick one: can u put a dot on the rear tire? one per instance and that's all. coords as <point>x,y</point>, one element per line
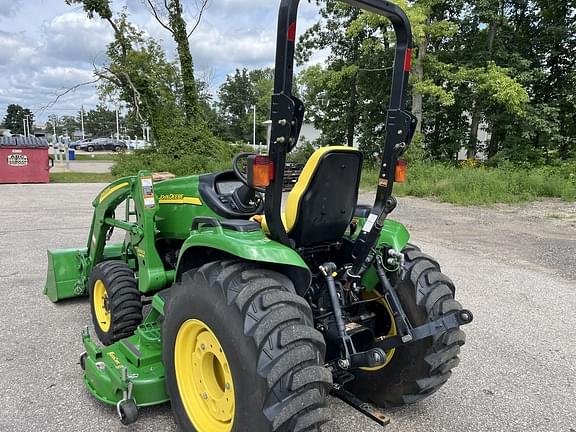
<point>417,370</point>
<point>273,354</point>
<point>90,149</point>
<point>115,302</point>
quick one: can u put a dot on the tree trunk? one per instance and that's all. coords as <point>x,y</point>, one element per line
<point>491,37</point>
<point>493,144</point>
<point>473,139</point>
<point>180,33</point>
<point>475,120</point>
<point>352,114</point>
<point>417,98</point>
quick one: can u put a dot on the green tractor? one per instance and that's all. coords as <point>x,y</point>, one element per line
<point>245,313</point>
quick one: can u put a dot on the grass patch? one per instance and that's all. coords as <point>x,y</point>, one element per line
<point>95,157</point>
<point>74,177</point>
<point>470,186</point>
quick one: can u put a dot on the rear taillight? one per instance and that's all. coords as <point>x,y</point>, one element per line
<point>260,171</point>
<point>401,171</point>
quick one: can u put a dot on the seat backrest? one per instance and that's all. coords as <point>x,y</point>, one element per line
<point>320,207</point>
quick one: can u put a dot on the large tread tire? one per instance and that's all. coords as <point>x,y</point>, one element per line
<point>266,330</point>
<point>124,300</point>
<point>417,370</point>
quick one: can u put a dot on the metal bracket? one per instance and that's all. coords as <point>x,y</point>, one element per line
<point>367,409</point>
<point>447,322</point>
<point>127,392</point>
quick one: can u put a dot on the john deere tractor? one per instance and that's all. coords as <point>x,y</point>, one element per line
<point>244,312</point>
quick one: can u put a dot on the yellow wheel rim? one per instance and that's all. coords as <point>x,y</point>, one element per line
<point>391,332</point>
<point>101,309</point>
<point>204,378</point>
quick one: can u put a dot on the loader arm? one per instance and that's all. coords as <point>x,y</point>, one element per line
<point>69,269</point>
<point>138,190</point>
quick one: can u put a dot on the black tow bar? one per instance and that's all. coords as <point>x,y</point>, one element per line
<point>407,333</point>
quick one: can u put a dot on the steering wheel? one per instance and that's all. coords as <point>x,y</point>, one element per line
<point>241,172</point>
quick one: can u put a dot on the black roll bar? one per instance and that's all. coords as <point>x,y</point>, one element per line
<point>287,112</point>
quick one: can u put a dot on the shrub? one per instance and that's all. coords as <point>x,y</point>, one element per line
<point>483,185</point>
<point>181,151</point>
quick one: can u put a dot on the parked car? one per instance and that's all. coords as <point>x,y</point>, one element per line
<point>76,144</point>
<point>102,144</point>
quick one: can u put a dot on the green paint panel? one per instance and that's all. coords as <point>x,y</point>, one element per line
<point>394,234</point>
<point>252,246</point>
<point>176,207</point>
<point>140,354</point>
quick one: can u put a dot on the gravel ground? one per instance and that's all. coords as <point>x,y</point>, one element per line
<point>514,268</point>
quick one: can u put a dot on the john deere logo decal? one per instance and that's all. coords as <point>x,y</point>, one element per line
<point>171,197</point>
<point>17,160</point>
<point>175,198</point>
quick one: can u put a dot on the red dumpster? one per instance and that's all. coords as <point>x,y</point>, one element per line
<point>23,160</point>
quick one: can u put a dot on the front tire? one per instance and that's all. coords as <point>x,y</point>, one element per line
<point>269,358</point>
<point>419,369</point>
<point>115,302</point>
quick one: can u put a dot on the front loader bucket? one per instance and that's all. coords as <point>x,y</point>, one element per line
<point>67,271</point>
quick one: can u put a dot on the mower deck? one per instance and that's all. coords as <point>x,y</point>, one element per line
<point>128,369</point>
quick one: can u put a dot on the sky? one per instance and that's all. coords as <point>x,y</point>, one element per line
<point>47,47</point>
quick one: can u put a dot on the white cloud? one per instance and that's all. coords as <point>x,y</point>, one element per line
<point>76,38</point>
<point>9,8</point>
<point>62,77</point>
<point>212,46</point>
<point>47,46</point>
<point>14,48</point>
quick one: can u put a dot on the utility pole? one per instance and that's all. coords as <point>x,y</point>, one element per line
<point>24,124</point>
<point>254,129</point>
<point>117,124</point>
<point>54,126</point>
<point>82,120</point>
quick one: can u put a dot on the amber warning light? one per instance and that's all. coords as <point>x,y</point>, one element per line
<point>401,171</point>
<point>260,171</point>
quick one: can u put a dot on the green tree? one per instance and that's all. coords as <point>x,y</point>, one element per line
<point>169,15</point>
<point>238,95</point>
<point>15,117</point>
<point>100,122</point>
<point>137,71</point>
<point>64,124</point>
<point>337,109</point>
<point>453,88</point>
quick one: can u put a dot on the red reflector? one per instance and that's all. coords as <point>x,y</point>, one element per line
<point>408,60</point>
<point>292,32</point>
